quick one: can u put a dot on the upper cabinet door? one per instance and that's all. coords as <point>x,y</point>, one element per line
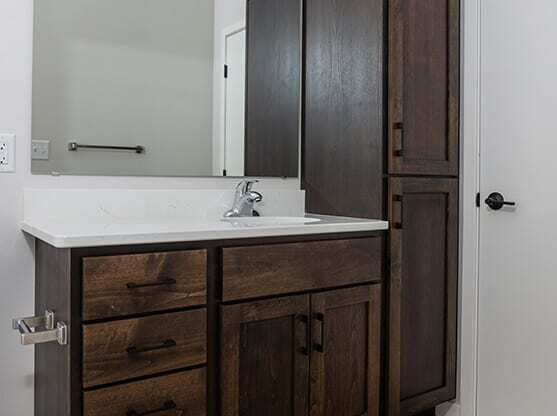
<point>274,40</point>
<point>423,87</point>
<point>345,360</point>
<point>265,358</point>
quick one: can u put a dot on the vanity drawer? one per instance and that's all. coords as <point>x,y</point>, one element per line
<point>294,267</point>
<point>121,350</point>
<point>185,390</point>
<point>130,284</point>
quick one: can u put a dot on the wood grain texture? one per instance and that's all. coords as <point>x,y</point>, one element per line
<point>258,271</point>
<point>54,376</point>
<point>105,279</point>
<point>346,376</point>
<point>263,371</point>
<point>214,297</point>
<point>343,108</point>
<point>105,356</point>
<point>186,389</point>
<point>273,87</point>
<point>424,61</point>
<point>423,311</point>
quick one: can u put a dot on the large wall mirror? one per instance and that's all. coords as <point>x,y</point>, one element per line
<point>167,87</point>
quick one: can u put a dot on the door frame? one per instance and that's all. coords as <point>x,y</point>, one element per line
<point>471,129</point>
<point>219,139</point>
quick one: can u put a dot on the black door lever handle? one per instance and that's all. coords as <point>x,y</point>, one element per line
<point>496,201</point>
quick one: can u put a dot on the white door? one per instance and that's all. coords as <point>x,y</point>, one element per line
<point>517,353</point>
<point>235,92</point>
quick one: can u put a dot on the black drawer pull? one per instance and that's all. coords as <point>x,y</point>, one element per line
<point>320,317</point>
<point>169,405</point>
<point>164,282</point>
<point>397,225</point>
<point>169,343</point>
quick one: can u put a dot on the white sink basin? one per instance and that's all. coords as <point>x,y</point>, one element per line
<point>269,221</point>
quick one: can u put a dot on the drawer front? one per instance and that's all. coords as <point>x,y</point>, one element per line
<point>177,394</point>
<point>121,350</point>
<point>138,283</point>
<point>284,268</point>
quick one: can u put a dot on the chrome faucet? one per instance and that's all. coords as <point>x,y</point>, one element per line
<point>244,200</point>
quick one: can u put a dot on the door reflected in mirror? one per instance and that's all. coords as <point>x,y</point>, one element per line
<point>167,88</point>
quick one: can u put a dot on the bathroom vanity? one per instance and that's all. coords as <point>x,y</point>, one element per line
<point>151,303</point>
<point>279,318</point>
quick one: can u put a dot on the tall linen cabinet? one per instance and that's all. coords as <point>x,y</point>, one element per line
<point>381,140</point>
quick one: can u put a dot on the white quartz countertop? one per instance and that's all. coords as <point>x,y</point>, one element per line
<point>73,233</point>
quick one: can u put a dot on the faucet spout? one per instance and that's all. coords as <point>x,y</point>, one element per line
<point>244,200</point>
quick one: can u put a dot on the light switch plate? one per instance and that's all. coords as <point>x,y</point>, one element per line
<point>40,149</point>
<point>7,152</point>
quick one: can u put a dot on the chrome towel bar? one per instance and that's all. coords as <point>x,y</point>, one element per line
<point>74,147</point>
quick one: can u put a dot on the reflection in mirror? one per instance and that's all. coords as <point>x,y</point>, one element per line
<point>167,87</point>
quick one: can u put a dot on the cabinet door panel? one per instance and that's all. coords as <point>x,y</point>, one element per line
<point>265,361</point>
<point>424,87</point>
<point>345,361</point>
<point>343,110</point>
<point>423,293</point>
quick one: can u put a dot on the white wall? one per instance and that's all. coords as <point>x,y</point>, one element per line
<point>16,254</point>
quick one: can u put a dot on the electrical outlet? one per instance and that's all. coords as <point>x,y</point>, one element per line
<point>40,149</point>
<point>7,152</point>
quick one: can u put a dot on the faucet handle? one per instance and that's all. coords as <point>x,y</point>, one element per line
<point>246,185</point>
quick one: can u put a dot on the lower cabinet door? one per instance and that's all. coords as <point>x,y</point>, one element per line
<point>423,293</point>
<point>265,358</point>
<point>345,359</point>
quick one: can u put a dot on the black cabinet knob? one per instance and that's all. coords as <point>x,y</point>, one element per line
<point>496,201</point>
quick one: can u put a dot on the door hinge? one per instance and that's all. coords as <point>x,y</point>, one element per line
<point>478,199</point>
<point>226,71</point>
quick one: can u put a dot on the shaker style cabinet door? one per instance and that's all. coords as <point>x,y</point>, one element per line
<point>423,293</point>
<point>345,359</point>
<point>265,358</point>
<point>423,87</point>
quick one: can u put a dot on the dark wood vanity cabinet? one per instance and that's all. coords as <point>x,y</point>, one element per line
<point>277,326</point>
<point>423,293</point>
<point>423,105</point>
<point>316,353</point>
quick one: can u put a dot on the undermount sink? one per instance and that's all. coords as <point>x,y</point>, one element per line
<point>269,221</point>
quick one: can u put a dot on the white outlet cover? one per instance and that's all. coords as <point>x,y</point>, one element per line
<point>7,152</point>
<point>40,149</point>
